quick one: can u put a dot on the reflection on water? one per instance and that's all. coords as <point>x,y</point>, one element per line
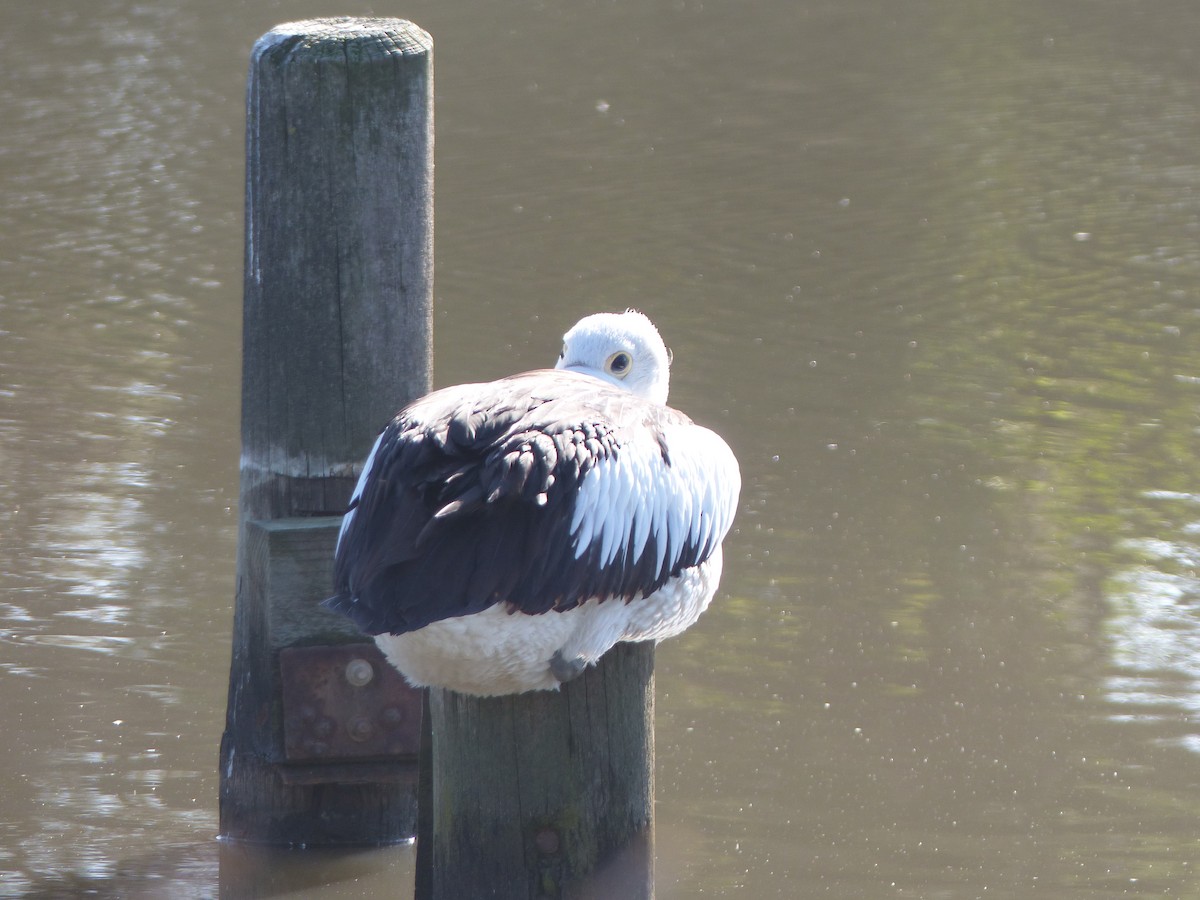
<point>933,275</point>
<point>1154,630</point>
<point>114,583</point>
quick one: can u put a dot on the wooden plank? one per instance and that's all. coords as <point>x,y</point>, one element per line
<point>293,560</point>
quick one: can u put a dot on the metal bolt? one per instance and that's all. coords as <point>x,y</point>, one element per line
<point>359,672</point>
<point>546,841</point>
<point>360,729</point>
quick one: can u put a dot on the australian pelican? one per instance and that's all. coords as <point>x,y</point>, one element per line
<point>503,536</point>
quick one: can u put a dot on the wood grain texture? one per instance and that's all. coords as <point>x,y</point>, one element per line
<point>336,337</point>
<point>547,794</point>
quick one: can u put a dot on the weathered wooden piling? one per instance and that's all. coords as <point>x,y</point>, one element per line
<point>337,336</point>
<point>546,795</point>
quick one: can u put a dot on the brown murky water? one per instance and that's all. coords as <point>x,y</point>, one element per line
<point>933,272</point>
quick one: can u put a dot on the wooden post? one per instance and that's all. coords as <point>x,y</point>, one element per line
<point>546,794</point>
<point>337,336</point>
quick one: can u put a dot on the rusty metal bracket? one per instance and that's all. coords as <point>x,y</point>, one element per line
<point>345,703</point>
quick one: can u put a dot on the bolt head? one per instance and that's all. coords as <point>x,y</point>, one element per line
<point>359,672</point>
<point>360,729</point>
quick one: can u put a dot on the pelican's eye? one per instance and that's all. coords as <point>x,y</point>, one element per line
<point>562,354</point>
<point>619,364</point>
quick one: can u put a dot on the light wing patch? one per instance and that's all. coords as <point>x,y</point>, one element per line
<point>634,499</point>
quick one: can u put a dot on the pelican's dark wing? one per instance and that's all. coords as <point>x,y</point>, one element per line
<point>540,491</point>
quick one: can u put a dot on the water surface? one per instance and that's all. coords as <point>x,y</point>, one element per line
<point>932,271</point>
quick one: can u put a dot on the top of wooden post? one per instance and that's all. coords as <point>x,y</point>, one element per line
<point>389,36</point>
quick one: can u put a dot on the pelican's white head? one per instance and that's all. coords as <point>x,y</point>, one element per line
<point>621,348</point>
